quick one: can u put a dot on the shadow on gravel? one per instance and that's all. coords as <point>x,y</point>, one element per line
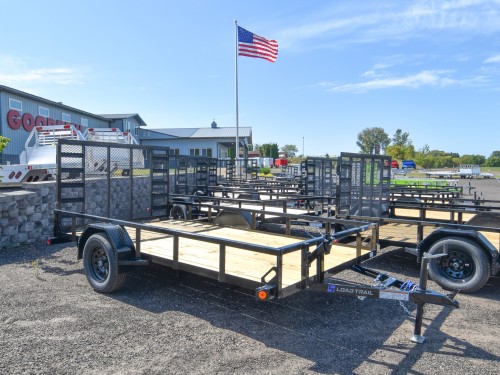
<point>29,253</point>
<point>338,335</point>
<point>335,334</point>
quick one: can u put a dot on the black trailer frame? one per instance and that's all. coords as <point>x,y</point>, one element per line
<point>118,239</point>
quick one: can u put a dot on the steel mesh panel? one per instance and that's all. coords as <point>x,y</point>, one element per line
<point>113,180</point>
<point>364,185</point>
<point>318,177</point>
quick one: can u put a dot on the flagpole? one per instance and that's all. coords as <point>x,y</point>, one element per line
<point>237,148</point>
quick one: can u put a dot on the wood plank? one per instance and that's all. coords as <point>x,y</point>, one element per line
<point>243,263</point>
<point>431,214</point>
<point>493,237</point>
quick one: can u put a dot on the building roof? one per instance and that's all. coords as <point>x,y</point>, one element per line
<point>125,116</point>
<point>50,102</point>
<point>229,132</point>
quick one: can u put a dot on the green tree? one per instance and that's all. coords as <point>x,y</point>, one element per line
<point>274,151</point>
<point>493,160</point>
<point>269,150</point>
<point>401,139</point>
<point>472,159</point>
<point>370,138</point>
<point>290,150</point>
<point>3,142</point>
<point>399,152</point>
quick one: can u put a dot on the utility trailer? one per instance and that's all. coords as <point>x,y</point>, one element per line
<point>38,159</point>
<point>465,232</point>
<point>129,228</point>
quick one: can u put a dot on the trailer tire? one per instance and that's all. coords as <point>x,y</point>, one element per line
<point>100,264</point>
<point>179,212</point>
<point>466,267</point>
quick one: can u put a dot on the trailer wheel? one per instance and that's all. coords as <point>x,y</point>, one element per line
<point>101,265</point>
<point>466,267</point>
<point>179,212</point>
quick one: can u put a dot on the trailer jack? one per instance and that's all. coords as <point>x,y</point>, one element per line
<point>406,291</point>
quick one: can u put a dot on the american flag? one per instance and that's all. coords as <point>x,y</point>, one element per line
<point>252,45</point>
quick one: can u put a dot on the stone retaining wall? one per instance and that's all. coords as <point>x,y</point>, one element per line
<point>26,215</point>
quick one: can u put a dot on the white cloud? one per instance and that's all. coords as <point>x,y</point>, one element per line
<point>424,78</point>
<point>399,20</point>
<point>15,71</point>
<point>492,59</point>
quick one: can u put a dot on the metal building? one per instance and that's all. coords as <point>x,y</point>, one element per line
<point>212,141</point>
<point>20,112</point>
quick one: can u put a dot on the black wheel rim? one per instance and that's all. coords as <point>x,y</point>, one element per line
<point>177,213</point>
<point>99,264</point>
<point>457,265</point>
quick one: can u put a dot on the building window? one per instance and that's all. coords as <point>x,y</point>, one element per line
<point>175,151</point>
<point>126,126</point>
<point>42,111</point>
<point>66,117</point>
<point>84,121</point>
<point>136,131</point>
<point>201,152</point>
<point>15,104</point>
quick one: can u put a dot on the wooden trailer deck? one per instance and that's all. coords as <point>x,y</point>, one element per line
<point>433,214</point>
<point>240,262</point>
<point>401,232</point>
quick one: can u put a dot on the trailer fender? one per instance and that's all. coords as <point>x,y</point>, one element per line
<point>472,235</point>
<point>118,237</point>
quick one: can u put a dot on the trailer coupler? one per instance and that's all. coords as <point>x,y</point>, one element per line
<point>407,291</point>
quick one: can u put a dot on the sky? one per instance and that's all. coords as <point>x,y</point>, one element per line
<point>429,68</point>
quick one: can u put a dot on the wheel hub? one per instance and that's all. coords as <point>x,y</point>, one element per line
<point>100,264</point>
<point>457,265</point>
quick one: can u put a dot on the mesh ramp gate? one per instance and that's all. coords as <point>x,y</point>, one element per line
<point>318,176</point>
<point>364,185</point>
<point>119,181</point>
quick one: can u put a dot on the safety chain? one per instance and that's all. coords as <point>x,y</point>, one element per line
<point>408,286</point>
<point>410,314</point>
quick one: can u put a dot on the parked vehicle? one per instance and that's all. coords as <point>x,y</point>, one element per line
<point>408,164</point>
<point>281,162</point>
<point>38,160</point>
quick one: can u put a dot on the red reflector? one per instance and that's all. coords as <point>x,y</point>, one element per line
<point>113,129</point>
<point>125,133</point>
<point>335,241</point>
<point>67,126</point>
<point>12,174</point>
<point>48,242</point>
<point>18,174</point>
<point>262,294</point>
<point>91,129</point>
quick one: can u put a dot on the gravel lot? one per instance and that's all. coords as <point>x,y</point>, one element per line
<point>162,322</point>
